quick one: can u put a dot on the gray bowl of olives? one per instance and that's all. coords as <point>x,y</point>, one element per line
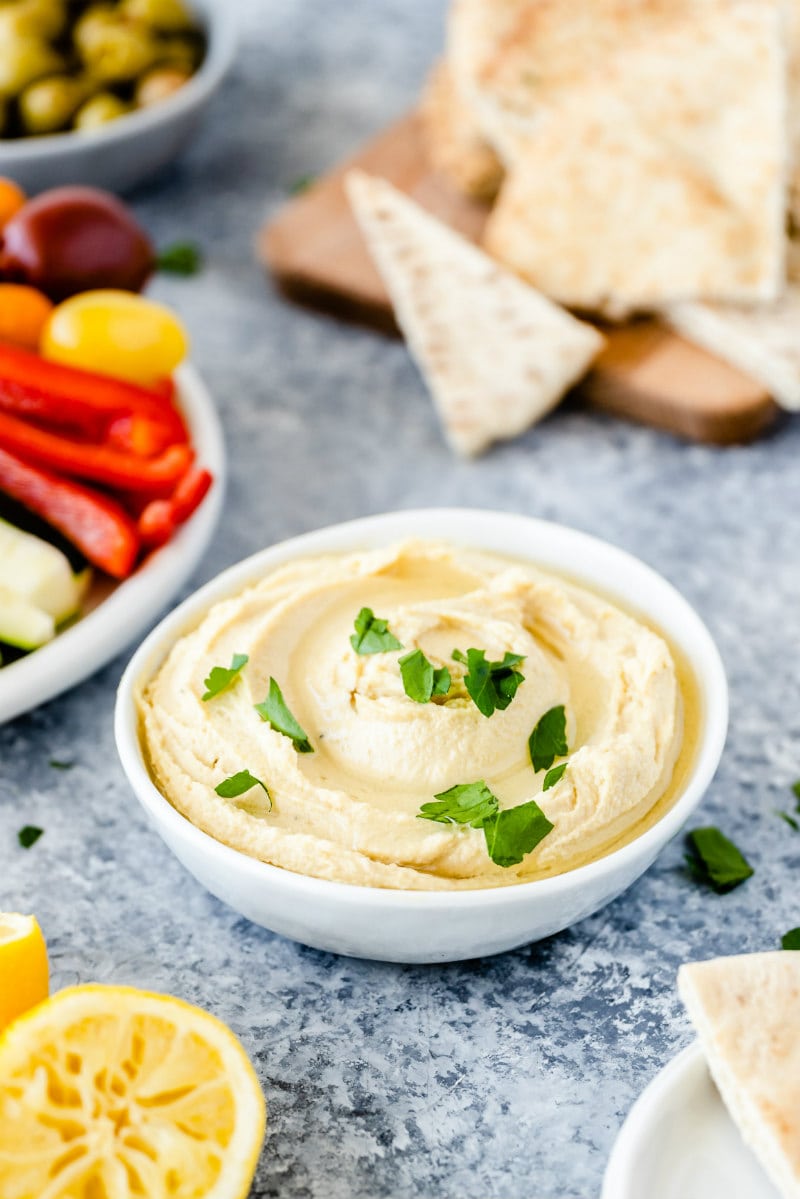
<point>105,92</point>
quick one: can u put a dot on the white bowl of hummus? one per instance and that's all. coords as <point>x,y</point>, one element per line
<point>425,736</point>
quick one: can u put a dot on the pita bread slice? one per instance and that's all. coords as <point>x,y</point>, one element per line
<point>746,1011</point>
<point>496,355</point>
<point>762,342</point>
<point>454,142</point>
<point>645,142</point>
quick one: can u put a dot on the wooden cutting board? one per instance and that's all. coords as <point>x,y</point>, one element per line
<point>316,254</point>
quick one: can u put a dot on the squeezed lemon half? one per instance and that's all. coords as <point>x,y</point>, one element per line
<point>23,966</point>
<point>114,1093</point>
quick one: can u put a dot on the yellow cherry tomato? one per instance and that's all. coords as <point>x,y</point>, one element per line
<point>115,333</point>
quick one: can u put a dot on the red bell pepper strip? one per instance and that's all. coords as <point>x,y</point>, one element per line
<point>160,518</point>
<point>97,462</point>
<point>31,386</point>
<point>93,522</point>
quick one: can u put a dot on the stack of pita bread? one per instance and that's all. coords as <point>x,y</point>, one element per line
<point>643,156</point>
<point>746,1011</point>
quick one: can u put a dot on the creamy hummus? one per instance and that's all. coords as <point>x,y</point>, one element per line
<point>349,811</point>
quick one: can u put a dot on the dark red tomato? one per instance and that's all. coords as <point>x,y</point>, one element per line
<point>74,239</point>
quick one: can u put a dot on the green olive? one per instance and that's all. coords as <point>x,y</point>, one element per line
<point>116,51</point>
<point>23,60</point>
<point>99,111</point>
<point>167,16</point>
<point>182,53</point>
<point>33,18</point>
<point>160,83</point>
<point>48,104</point>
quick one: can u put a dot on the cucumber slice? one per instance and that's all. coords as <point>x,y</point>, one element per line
<point>23,624</point>
<point>38,573</point>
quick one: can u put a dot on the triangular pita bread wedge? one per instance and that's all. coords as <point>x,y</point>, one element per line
<point>763,342</point>
<point>645,141</point>
<point>495,354</point>
<point>747,1014</point>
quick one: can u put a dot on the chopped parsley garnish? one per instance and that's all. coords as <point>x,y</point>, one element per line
<point>421,679</point>
<point>58,764</point>
<point>301,184</point>
<point>490,685</point>
<point>275,712</point>
<point>787,819</point>
<point>240,783</point>
<point>510,835</point>
<point>716,861</point>
<point>466,803</point>
<point>181,258</point>
<point>221,677</point>
<point>29,835</point>
<point>554,776</point>
<point>791,940</point>
<point>548,740</point>
<point>796,792</point>
<point>372,634</point>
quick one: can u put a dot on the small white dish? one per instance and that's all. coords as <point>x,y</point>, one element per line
<point>124,153</point>
<point>117,613</point>
<point>403,926</point>
<point>679,1142</point>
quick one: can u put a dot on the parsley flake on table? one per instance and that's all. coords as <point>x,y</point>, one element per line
<point>511,835</point>
<point>275,712</point>
<point>58,764</point>
<point>421,679</point>
<point>239,784</point>
<point>372,634</point>
<point>554,776</point>
<point>301,184</point>
<point>548,740</point>
<point>490,685</point>
<point>466,803</point>
<point>716,861</point>
<point>180,258</point>
<point>29,835</point>
<point>791,940</point>
<point>221,677</point>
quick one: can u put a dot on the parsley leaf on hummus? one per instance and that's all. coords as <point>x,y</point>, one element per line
<point>491,685</point>
<point>275,712</point>
<point>239,783</point>
<point>221,677</point>
<point>548,740</point>
<point>466,803</point>
<point>791,940</point>
<point>372,634</point>
<point>421,679</point>
<point>512,834</point>
<point>787,819</point>
<point>554,776</point>
<point>715,860</point>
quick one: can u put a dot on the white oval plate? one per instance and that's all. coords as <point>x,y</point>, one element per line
<point>680,1143</point>
<point>115,614</point>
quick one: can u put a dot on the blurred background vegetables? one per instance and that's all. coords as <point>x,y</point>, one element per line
<point>96,464</point>
<point>77,65</point>
<point>73,239</point>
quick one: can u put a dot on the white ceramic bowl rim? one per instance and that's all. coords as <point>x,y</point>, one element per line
<point>221,37</point>
<point>340,538</point>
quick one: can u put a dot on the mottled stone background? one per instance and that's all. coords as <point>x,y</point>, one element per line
<point>498,1079</point>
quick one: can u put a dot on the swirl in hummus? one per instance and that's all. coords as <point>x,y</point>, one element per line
<point>349,811</point>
